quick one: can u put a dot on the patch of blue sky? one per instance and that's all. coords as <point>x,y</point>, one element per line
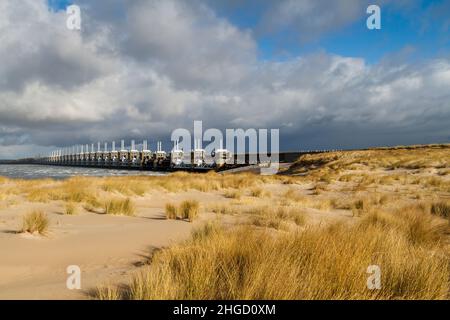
<point>415,29</point>
<point>58,5</point>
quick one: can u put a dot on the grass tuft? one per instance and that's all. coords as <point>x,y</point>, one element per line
<point>232,194</point>
<point>119,207</point>
<point>70,209</point>
<point>171,211</point>
<point>107,293</point>
<point>35,222</point>
<point>189,209</point>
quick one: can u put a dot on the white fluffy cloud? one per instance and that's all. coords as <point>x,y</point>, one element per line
<point>145,68</point>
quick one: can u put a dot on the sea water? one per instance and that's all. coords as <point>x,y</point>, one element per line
<point>27,171</point>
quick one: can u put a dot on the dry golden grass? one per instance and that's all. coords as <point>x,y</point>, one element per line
<point>106,293</point>
<point>77,189</point>
<point>224,208</point>
<point>317,263</point>
<point>276,217</point>
<point>319,188</point>
<point>39,195</point>
<point>269,222</point>
<point>232,194</point>
<point>360,206</point>
<point>409,158</point>
<point>35,222</point>
<point>171,211</point>
<point>413,222</point>
<point>70,209</point>
<point>93,205</point>
<point>189,210</point>
<point>181,181</point>
<point>119,207</point>
<point>292,197</point>
<point>258,192</point>
<point>81,189</point>
<point>6,193</point>
<point>441,209</point>
<point>124,186</point>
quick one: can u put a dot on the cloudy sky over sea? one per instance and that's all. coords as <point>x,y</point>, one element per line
<point>140,69</point>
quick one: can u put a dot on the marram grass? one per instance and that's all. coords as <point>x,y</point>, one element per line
<point>316,262</point>
<point>35,222</point>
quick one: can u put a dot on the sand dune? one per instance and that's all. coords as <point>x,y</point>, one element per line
<point>104,247</point>
<point>399,194</point>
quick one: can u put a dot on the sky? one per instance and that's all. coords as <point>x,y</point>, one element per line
<point>140,69</point>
